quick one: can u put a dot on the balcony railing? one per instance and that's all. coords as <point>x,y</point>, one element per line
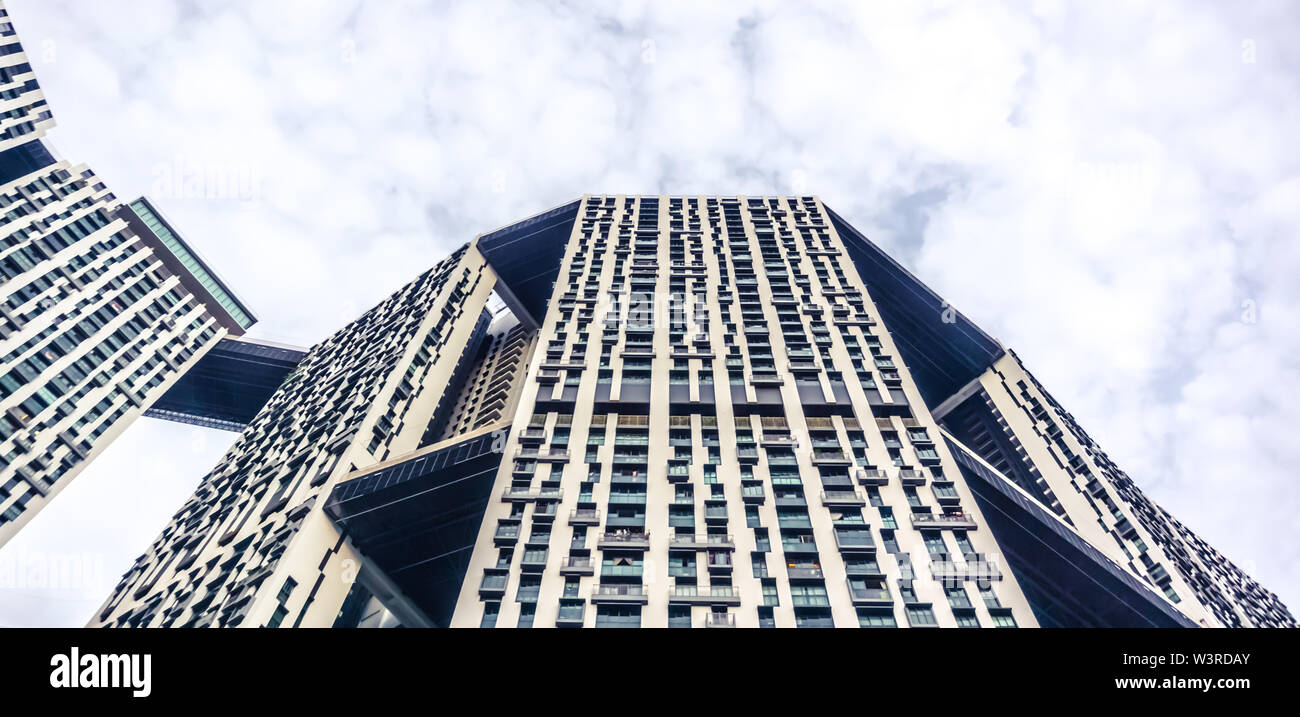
<point>911,476</point>
<point>870,476</point>
<point>539,454</point>
<point>584,516</point>
<point>545,511</point>
<point>623,540</point>
<point>577,565</point>
<point>532,434</point>
<point>830,457</point>
<point>780,439</point>
<point>799,546</point>
<point>975,566</point>
<point>950,521</point>
<point>706,594</point>
<point>720,619</point>
<point>701,542</point>
<point>842,497</point>
<point>493,584</point>
<point>618,593</point>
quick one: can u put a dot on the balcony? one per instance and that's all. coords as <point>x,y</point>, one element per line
<point>561,364</point>
<point>493,585</point>
<point>525,494</point>
<point>791,499</point>
<point>831,457</point>
<point>864,569</point>
<point>623,540</point>
<point>686,351</point>
<point>854,320</point>
<point>506,534</point>
<point>553,454</point>
<point>715,514</point>
<point>704,595</point>
<point>870,597</point>
<point>855,541</point>
<point>571,615</point>
<point>533,561</point>
<point>701,542</point>
<point>803,366</point>
<point>518,494</point>
<point>870,476</point>
<point>766,379</point>
<point>781,439</point>
<point>616,593</point>
<point>578,565</point>
<point>720,619</point>
<point>801,547</point>
<point>678,471</point>
<point>532,434</point>
<point>912,476</point>
<point>803,572</point>
<point>976,566</point>
<point>943,521</point>
<point>584,516</point>
<point>832,498</point>
<point>545,512</point>
<point>945,493</point>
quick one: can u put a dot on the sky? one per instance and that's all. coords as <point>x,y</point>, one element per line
<point>1108,188</point>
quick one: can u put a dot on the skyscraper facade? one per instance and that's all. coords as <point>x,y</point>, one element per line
<point>102,304</point>
<point>24,114</point>
<point>253,545</point>
<point>692,412</point>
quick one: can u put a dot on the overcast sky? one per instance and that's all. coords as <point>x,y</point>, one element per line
<point>1111,189</point>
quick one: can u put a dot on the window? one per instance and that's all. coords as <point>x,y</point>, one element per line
<point>618,616</point>
<point>990,597</point>
<point>278,616</point>
<point>921,616</point>
<point>529,586</point>
<point>490,611</point>
<point>957,597</point>
<point>813,618</point>
<point>809,595</point>
<point>876,618</point>
<point>679,616</point>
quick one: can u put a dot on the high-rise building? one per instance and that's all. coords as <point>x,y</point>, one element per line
<point>24,114</point>
<point>103,306</point>
<point>692,411</point>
